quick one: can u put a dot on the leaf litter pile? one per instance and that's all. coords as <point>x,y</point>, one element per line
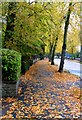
<point>45,93</point>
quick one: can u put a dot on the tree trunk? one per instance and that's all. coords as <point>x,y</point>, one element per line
<point>10,24</point>
<point>43,52</point>
<point>50,54</point>
<point>53,52</point>
<point>81,54</point>
<point>65,39</point>
<point>81,35</point>
<point>72,50</point>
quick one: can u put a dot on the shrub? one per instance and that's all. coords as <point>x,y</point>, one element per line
<point>11,65</point>
<point>26,63</point>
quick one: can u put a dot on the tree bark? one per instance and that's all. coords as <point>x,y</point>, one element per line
<point>81,34</point>
<point>50,54</point>
<point>65,39</point>
<point>53,52</point>
<point>81,54</point>
<point>10,24</point>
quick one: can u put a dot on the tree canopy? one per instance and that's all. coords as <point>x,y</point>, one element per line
<point>38,27</point>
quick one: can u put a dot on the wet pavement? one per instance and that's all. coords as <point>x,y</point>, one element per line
<point>41,96</point>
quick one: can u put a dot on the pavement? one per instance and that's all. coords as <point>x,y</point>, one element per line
<point>41,96</point>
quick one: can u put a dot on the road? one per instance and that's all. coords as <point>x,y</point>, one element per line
<point>71,66</point>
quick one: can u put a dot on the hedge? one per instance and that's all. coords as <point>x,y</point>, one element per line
<point>26,63</point>
<point>11,65</point>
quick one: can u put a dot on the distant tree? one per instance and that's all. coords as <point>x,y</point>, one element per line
<point>72,42</point>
